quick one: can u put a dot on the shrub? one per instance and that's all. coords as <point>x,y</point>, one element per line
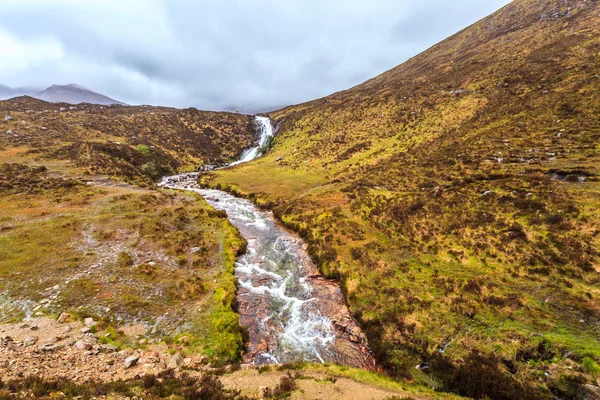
<point>591,367</point>
<point>142,148</point>
<point>124,260</point>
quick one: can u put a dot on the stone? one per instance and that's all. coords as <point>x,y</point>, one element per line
<point>30,340</point>
<point>355,334</point>
<point>175,362</point>
<point>83,345</point>
<point>85,330</point>
<point>89,322</point>
<point>9,132</point>
<point>131,361</point>
<point>68,329</point>
<point>9,118</point>
<point>108,348</point>
<point>588,392</point>
<point>48,347</point>
<point>64,318</point>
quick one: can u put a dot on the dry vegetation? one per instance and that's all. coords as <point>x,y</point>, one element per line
<point>136,144</point>
<point>456,198</point>
<point>75,238</point>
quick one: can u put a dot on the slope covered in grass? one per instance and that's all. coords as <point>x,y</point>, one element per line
<point>137,144</point>
<point>456,197</point>
<point>76,238</point>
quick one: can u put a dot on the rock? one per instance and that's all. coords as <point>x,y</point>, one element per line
<point>355,334</point>
<point>83,345</point>
<point>30,340</point>
<point>588,392</point>
<point>108,348</point>
<point>34,328</point>
<point>63,109</point>
<point>85,330</point>
<point>278,158</point>
<point>131,361</point>
<point>9,132</point>
<point>68,329</point>
<point>64,318</point>
<point>24,326</point>
<point>175,362</point>
<point>89,322</point>
<point>9,118</point>
<point>48,347</point>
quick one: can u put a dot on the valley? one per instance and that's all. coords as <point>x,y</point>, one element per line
<point>432,233</point>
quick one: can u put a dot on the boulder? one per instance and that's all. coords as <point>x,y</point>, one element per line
<point>83,345</point>
<point>108,348</point>
<point>131,361</point>
<point>64,318</point>
<point>355,334</point>
<point>175,362</point>
<point>30,340</point>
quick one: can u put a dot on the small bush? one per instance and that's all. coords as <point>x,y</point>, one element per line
<point>591,367</point>
<point>124,260</point>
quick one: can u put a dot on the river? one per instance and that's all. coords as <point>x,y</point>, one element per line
<point>291,311</point>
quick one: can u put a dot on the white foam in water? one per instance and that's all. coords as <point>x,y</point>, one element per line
<point>266,132</point>
<point>275,263</point>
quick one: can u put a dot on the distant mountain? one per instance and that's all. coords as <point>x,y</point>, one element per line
<point>73,94</point>
<point>7,92</point>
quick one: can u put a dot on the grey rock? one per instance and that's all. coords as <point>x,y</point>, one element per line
<point>30,340</point>
<point>108,348</point>
<point>131,361</point>
<point>83,345</point>
<point>89,322</point>
<point>85,330</point>
<point>588,392</point>
<point>48,347</point>
<point>9,132</point>
<point>175,362</point>
<point>9,118</point>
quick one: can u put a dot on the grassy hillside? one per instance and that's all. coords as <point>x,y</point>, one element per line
<point>456,197</point>
<point>151,267</point>
<point>135,144</point>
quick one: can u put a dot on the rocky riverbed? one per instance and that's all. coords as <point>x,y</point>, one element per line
<point>291,311</point>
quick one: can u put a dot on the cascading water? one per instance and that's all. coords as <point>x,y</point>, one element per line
<point>266,132</point>
<point>291,312</point>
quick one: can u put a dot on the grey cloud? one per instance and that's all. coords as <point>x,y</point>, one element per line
<point>220,54</point>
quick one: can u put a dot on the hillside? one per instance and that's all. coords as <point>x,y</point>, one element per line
<point>85,233</point>
<point>456,199</point>
<point>72,94</point>
<point>135,144</point>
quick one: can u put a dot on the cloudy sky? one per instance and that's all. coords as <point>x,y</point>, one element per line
<point>220,54</point>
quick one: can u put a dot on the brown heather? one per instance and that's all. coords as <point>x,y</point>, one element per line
<point>456,197</point>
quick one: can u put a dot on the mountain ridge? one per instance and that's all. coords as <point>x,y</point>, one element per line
<point>70,93</point>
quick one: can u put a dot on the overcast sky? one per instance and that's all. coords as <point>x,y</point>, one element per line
<point>219,54</point>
